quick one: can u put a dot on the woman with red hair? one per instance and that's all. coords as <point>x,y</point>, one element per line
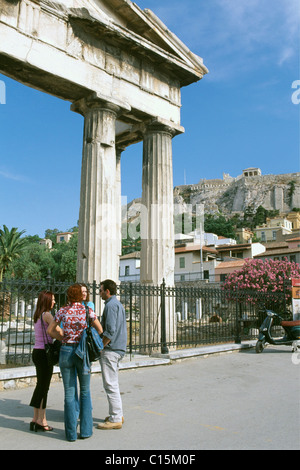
<point>73,320</point>
<point>42,319</point>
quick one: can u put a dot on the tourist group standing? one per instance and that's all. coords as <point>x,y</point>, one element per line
<point>69,327</point>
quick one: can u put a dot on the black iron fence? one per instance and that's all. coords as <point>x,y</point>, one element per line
<point>159,318</point>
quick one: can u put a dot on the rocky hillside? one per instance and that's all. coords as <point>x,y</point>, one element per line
<point>236,195</point>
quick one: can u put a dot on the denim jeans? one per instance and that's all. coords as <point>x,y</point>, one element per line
<point>109,362</point>
<point>71,367</point>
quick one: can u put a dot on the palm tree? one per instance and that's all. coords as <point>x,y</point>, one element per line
<point>11,246</point>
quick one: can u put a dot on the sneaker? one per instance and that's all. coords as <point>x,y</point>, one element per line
<point>109,425</point>
<point>107,419</point>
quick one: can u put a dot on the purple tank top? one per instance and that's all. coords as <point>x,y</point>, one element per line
<point>41,334</point>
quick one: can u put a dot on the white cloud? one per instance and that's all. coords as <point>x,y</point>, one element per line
<point>235,36</point>
<point>261,24</point>
<point>285,55</point>
<point>12,176</point>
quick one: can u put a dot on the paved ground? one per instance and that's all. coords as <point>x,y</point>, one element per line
<point>235,401</point>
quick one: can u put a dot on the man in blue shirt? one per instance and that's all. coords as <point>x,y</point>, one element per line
<point>114,339</point>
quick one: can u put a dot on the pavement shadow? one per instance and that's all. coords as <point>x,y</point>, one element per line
<point>14,415</point>
<point>269,349</point>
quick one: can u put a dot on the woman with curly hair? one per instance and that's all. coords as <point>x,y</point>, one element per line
<point>73,320</point>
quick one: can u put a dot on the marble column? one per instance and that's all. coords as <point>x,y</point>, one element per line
<point>119,151</point>
<point>157,234</point>
<point>157,224</point>
<point>98,243</point>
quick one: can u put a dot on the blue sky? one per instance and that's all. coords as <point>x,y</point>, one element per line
<point>239,115</point>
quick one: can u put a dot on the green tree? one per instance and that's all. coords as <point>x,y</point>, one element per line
<point>34,263</point>
<point>51,234</point>
<point>253,218</point>
<point>65,258</point>
<point>36,260</point>
<point>11,246</point>
<point>260,216</point>
<point>219,225</point>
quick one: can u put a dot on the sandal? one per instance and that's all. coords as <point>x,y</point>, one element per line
<point>39,427</point>
<point>32,425</point>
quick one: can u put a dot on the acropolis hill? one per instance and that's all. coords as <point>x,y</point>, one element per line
<point>251,189</point>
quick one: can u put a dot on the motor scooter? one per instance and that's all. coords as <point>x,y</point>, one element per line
<point>291,329</point>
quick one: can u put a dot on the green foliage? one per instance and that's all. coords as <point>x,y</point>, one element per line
<point>34,263</point>
<point>292,185</point>
<point>65,258</point>
<point>130,246</point>
<point>35,260</point>
<point>51,234</point>
<point>254,218</point>
<point>11,246</point>
<point>219,225</point>
<point>268,276</point>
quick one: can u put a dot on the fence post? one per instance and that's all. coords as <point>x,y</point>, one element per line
<point>164,348</point>
<point>49,279</point>
<point>130,319</point>
<point>237,321</point>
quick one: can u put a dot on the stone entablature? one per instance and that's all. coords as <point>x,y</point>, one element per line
<point>72,49</point>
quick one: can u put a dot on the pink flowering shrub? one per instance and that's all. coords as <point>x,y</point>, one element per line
<point>263,276</point>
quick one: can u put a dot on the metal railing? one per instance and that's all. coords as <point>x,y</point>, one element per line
<point>159,318</point>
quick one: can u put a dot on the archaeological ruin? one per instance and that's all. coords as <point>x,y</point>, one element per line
<point>122,70</point>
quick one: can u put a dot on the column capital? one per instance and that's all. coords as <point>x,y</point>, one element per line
<point>162,125</point>
<point>120,149</point>
<point>98,101</point>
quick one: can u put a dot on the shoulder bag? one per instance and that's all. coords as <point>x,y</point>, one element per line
<point>94,343</point>
<point>52,349</point>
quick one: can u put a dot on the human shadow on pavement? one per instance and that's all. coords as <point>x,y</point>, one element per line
<point>15,415</point>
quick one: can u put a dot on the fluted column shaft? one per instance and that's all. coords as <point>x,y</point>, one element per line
<point>119,151</point>
<point>157,236</point>
<point>157,226</point>
<point>98,244</point>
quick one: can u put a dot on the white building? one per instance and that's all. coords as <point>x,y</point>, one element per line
<point>63,237</point>
<point>130,267</point>
<point>195,261</point>
<point>188,265</point>
<point>46,242</point>
<point>242,251</point>
<point>210,239</point>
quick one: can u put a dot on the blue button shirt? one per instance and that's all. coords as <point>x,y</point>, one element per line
<point>114,325</point>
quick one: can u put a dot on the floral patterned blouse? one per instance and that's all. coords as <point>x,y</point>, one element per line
<point>73,321</point>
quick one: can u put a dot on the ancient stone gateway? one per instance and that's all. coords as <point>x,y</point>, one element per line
<point>122,69</point>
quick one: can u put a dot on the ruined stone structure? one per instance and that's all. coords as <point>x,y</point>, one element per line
<point>122,69</point>
<point>251,189</point>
